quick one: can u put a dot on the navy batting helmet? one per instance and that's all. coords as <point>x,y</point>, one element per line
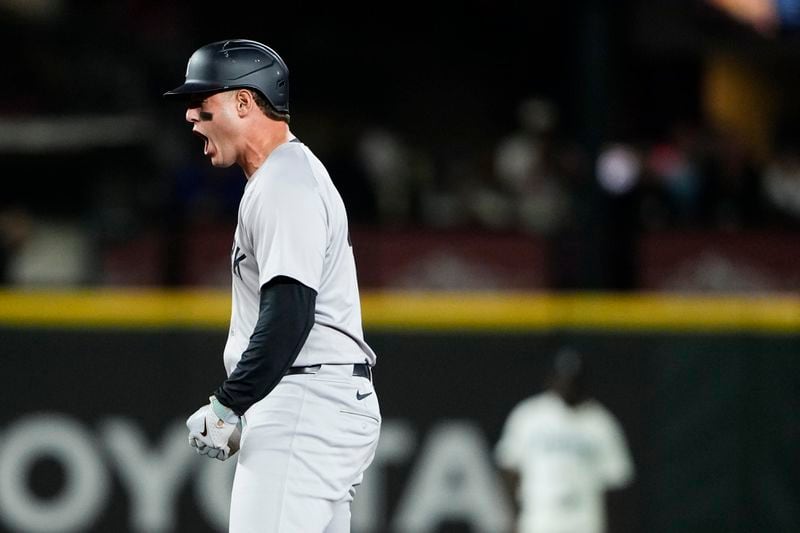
<point>236,63</point>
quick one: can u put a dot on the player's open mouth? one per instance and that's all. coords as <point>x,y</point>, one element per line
<point>205,141</point>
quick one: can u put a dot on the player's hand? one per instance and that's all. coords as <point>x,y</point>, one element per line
<point>213,430</point>
<point>234,443</point>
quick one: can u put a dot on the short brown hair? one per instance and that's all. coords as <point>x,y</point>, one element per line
<point>267,108</point>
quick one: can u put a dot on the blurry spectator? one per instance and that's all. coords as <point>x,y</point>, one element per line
<point>781,186</point>
<point>396,173</point>
<point>618,169</point>
<point>673,186</point>
<point>52,252</point>
<point>528,173</point>
<point>561,450</point>
<point>521,156</point>
<point>15,229</point>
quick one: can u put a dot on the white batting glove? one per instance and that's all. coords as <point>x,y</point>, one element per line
<point>214,430</point>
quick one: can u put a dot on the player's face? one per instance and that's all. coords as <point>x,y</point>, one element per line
<point>214,118</point>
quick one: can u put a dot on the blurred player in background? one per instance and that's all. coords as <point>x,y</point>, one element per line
<point>560,450</point>
<point>299,379</point>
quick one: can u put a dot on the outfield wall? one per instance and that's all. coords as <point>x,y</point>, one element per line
<point>98,384</point>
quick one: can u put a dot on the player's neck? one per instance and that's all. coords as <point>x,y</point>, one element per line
<point>260,143</point>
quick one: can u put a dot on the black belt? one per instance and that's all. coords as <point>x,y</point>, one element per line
<point>361,370</point>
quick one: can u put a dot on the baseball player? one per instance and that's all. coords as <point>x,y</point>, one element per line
<point>561,450</point>
<point>299,373</point>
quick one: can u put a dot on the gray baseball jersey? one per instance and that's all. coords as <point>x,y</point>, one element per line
<point>292,222</point>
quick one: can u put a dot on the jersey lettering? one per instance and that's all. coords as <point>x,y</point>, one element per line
<point>237,271</point>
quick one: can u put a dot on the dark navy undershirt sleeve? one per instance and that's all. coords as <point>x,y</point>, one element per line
<point>285,317</point>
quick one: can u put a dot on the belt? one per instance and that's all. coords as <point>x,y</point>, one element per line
<point>361,370</point>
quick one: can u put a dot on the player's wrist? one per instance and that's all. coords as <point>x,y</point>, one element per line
<point>223,412</point>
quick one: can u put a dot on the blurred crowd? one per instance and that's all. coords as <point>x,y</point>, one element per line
<point>534,180</point>
<point>693,177</point>
<point>109,187</point>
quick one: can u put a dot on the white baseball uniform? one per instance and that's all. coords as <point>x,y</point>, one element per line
<point>566,458</point>
<point>306,445</point>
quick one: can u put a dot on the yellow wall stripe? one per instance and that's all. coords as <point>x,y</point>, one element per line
<point>117,307</point>
<point>581,311</point>
<point>419,310</point>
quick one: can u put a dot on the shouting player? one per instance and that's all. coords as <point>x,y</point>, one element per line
<point>299,373</point>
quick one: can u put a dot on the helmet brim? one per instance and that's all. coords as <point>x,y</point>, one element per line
<point>194,87</point>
